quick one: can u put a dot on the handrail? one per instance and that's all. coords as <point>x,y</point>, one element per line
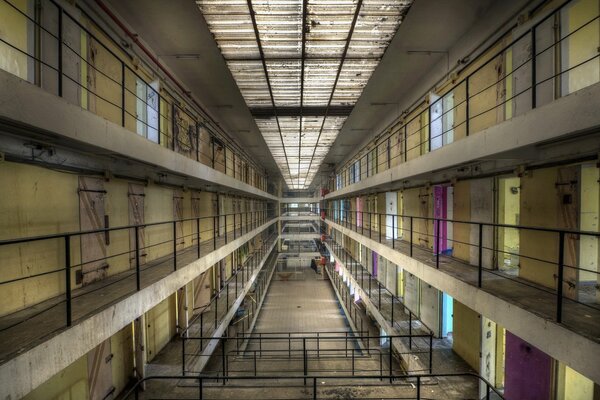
<point>201,379</point>
<point>116,228</point>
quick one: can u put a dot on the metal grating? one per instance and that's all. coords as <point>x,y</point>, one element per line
<point>301,66</point>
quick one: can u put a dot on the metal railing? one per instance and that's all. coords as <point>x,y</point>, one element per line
<point>550,273</point>
<point>204,325</point>
<point>74,63</point>
<point>418,337</point>
<point>419,387</point>
<point>538,75</point>
<point>140,255</point>
<point>305,353</point>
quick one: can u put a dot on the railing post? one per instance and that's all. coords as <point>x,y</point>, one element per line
<point>215,232</point>
<point>410,330</point>
<point>68,279</point>
<point>418,387</point>
<point>437,244</point>
<point>411,236</point>
<point>183,353</point>
<point>431,352</point>
<point>314,388</point>
<point>393,231</point>
<point>391,350</point>
<point>533,70</point>
<point>234,226</point>
<point>223,358</point>
<point>60,57</point>
<point>225,228</point>
<point>216,310</point>
<point>480,266</point>
<point>379,225</point>
<point>392,310</point>
<point>200,387</point>
<point>305,360</point>
<point>561,269</point>
<point>175,245</point>
<point>352,361</point>
<point>379,291</point>
<point>198,230</point>
<point>467,106</point>
<point>138,279</point>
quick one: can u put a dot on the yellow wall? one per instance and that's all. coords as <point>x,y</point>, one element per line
<point>580,45</point>
<point>161,325</point>
<point>13,29</point>
<point>69,384</point>
<point>35,201</point>
<point>467,334</point>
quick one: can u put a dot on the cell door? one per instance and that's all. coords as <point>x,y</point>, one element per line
<point>440,207</point>
<point>568,216</point>
<point>202,290</point>
<point>178,215</point>
<point>136,217</point>
<point>92,217</point>
<point>99,363</point>
<point>182,309</point>
<point>488,352</point>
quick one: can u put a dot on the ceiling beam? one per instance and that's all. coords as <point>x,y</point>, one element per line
<point>307,111</point>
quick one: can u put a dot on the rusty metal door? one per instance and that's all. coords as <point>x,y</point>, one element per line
<point>178,215</point>
<point>91,217</point>
<point>567,189</point>
<point>182,309</point>
<point>202,290</point>
<point>136,217</point>
<point>100,372</point>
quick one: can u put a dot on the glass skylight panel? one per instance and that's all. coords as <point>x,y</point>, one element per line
<point>300,142</point>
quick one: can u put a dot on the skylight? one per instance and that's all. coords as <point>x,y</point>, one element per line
<point>301,65</point>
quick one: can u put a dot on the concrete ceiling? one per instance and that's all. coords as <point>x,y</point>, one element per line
<point>177,32</point>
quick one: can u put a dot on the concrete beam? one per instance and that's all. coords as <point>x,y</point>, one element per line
<point>30,369</point>
<point>574,350</point>
<point>565,117</point>
<point>30,110</point>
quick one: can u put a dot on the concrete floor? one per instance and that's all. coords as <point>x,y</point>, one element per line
<point>25,329</point>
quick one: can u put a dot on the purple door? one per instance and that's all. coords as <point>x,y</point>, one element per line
<point>374,258</point>
<point>528,373</point>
